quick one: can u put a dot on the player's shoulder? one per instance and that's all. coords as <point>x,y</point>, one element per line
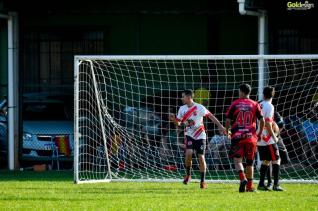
<point>267,105</point>
<point>244,101</point>
<point>199,106</point>
<point>237,101</point>
<point>252,101</point>
<point>183,107</point>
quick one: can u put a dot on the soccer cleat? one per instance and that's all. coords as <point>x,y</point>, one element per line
<point>269,186</point>
<point>186,179</point>
<point>203,185</point>
<point>263,188</point>
<point>243,184</point>
<point>277,188</point>
<point>251,190</point>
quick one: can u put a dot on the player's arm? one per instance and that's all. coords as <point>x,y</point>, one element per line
<point>174,119</point>
<point>261,126</point>
<point>276,129</point>
<point>279,121</point>
<point>205,112</point>
<point>216,121</point>
<point>227,126</point>
<point>260,117</point>
<point>268,114</point>
<point>229,117</point>
<point>269,127</point>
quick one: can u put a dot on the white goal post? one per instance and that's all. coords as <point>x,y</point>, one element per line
<point>122,103</point>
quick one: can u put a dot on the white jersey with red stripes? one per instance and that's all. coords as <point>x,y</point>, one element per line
<point>268,113</point>
<point>192,117</point>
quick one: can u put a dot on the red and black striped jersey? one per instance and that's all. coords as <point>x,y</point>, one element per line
<point>243,114</point>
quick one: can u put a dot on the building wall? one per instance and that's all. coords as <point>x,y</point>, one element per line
<point>137,34</point>
<point>165,27</point>
<point>168,27</point>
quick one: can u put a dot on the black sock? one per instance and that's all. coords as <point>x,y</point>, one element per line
<point>202,176</point>
<point>188,170</point>
<point>269,178</point>
<point>276,172</point>
<point>263,171</point>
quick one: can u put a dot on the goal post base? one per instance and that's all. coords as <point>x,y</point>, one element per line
<point>192,181</point>
<point>93,181</point>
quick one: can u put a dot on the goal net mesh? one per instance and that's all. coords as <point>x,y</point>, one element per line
<point>122,131</point>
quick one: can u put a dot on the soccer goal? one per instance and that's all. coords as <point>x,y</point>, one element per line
<point>122,104</point>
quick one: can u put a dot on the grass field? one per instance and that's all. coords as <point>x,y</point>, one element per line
<point>56,191</point>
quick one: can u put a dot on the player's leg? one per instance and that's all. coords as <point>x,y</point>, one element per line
<point>188,141</point>
<point>276,173</point>
<point>202,165</point>
<point>240,170</point>
<point>269,177</point>
<point>283,154</point>
<point>284,159</point>
<point>249,175</point>
<point>263,171</point>
<point>250,151</point>
<point>188,165</point>
<point>276,166</point>
<point>236,152</point>
<point>200,149</point>
<point>265,157</point>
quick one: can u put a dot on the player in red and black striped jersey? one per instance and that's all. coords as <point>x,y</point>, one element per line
<point>242,116</point>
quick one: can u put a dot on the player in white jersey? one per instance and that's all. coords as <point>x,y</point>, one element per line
<point>191,115</point>
<point>267,144</point>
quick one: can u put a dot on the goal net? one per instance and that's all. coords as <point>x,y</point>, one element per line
<point>122,104</point>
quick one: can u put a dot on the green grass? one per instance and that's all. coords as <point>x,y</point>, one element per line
<point>56,191</point>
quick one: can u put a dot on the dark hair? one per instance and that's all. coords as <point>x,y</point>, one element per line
<point>268,92</point>
<point>245,88</point>
<point>188,92</point>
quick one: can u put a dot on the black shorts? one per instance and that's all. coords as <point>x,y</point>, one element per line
<point>198,145</point>
<point>283,154</point>
<point>268,152</point>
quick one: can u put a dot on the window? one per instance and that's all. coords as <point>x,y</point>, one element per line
<point>48,57</point>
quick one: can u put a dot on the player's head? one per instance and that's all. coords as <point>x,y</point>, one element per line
<point>187,96</point>
<point>245,90</point>
<point>268,92</point>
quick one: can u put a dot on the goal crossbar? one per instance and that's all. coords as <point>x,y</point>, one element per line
<point>194,57</point>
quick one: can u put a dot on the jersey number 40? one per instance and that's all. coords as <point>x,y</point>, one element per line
<point>244,118</point>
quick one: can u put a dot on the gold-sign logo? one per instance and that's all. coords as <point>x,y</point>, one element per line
<point>300,5</point>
